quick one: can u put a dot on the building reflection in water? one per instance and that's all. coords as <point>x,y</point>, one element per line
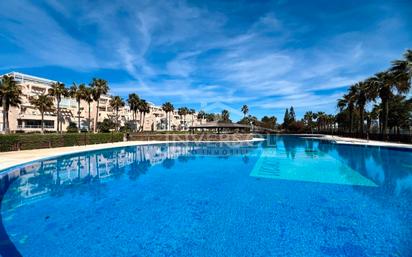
<point>390,169</point>
<point>51,177</point>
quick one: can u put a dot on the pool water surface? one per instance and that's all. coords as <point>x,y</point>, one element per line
<point>285,196</point>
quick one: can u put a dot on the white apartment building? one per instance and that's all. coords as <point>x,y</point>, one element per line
<point>26,118</point>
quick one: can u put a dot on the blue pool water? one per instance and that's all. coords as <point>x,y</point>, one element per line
<point>286,196</point>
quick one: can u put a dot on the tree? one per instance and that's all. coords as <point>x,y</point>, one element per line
<point>43,103</point>
<point>99,87</point>
<point>292,115</point>
<point>201,115</point>
<point>286,119</point>
<point>320,120</point>
<point>143,109</point>
<point>106,125</point>
<point>168,108</point>
<point>88,97</point>
<point>58,90</point>
<point>10,95</point>
<point>248,120</point>
<point>383,84</point>
<point>308,117</point>
<point>210,117</point>
<point>225,116</point>
<point>400,111</point>
<point>402,69</point>
<point>348,102</point>
<point>191,113</point>
<point>269,122</point>
<point>245,110</point>
<point>116,103</point>
<point>183,111</point>
<point>72,127</point>
<point>133,102</point>
<point>78,92</point>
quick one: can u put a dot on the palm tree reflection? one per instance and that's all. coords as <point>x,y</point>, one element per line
<point>51,177</point>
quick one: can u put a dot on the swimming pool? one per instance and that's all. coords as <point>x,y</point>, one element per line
<point>286,196</point>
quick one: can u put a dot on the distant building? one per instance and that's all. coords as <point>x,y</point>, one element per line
<point>26,118</point>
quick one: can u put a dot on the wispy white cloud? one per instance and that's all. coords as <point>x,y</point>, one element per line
<point>187,53</point>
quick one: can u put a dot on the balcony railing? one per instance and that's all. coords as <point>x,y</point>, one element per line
<point>35,126</point>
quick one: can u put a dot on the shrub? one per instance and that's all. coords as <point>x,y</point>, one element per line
<point>72,128</point>
<point>106,125</point>
<point>36,141</point>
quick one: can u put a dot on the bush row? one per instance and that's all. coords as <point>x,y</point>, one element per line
<point>36,141</point>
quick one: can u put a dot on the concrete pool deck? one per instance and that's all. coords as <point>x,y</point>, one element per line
<point>357,141</point>
<point>14,158</point>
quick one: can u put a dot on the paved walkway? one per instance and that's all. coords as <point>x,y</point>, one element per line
<point>357,141</point>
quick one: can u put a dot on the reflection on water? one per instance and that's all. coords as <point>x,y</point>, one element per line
<point>388,168</point>
<point>43,178</point>
<point>149,198</point>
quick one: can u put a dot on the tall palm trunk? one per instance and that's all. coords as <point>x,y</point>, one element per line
<point>78,116</point>
<point>143,115</point>
<point>141,121</point>
<point>90,121</point>
<point>117,119</point>
<point>184,117</point>
<point>167,121</point>
<point>350,120</point>
<point>135,118</point>
<point>6,120</point>
<point>97,116</point>
<point>311,127</point>
<point>5,113</point>
<point>385,123</point>
<point>58,115</point>
<point>362,118</point>
<point>42,120</point>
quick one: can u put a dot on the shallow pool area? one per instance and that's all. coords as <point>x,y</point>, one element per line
<point>285,196</point>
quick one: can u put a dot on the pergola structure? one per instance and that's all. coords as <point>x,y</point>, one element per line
<point>221,127</point>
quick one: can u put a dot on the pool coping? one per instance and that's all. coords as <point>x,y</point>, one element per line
<point>357,141</point>
<point>9,160</point>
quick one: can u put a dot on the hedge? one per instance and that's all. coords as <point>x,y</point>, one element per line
<point>15,142</point>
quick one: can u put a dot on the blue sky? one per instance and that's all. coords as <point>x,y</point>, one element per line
<point>209,54</point>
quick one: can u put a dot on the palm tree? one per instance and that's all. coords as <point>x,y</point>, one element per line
<point>116,103</point>
<point>245,110</point>
<point>330,120</point>
<point>201,115</point>
<point>402,69</point>
<point>88,97</point>
<point>58,90</point>
<point>144,108</point>
<point>78,92</point>
<point>348,101</point>
<point>10,95</point>
<point>100,87</point>
<point>320,120</point>
<point>225,116</point>
<point>43,103</point>
<point>383,84</point>
<point>360,94</point>
<point>308,117</point>
<point>376,114</point>
<point>168,108</point>
<point>191,113</point>
<point>183,111</point>
<point>133,102</point>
